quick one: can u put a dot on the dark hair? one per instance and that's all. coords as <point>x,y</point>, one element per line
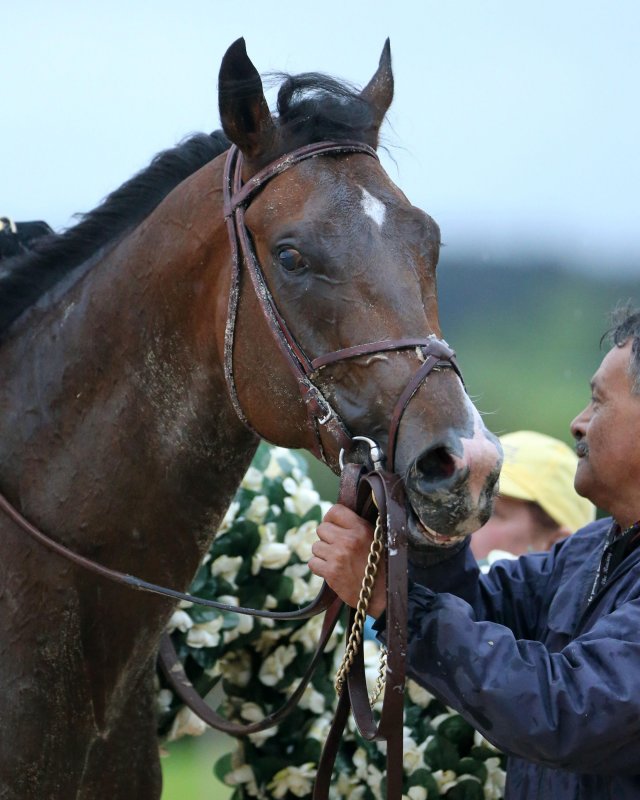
<point>23,279</point>
<point>625,326</point>
<point>313,107</point>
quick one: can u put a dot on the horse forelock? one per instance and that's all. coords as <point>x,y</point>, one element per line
<point>24,279</point>
<point>313,107</point>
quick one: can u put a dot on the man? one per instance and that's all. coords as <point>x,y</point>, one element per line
<point>537,505</point>
<point>542,654</point>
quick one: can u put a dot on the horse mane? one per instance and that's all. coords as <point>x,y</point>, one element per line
<point>25,278</point>
<point>311,107</point>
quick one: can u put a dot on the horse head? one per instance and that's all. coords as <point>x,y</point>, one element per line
<point>349,272</point>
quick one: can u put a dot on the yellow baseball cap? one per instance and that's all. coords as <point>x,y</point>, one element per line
<point>541,469</point>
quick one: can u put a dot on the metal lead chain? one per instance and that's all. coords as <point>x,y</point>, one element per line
<point>355,636</point>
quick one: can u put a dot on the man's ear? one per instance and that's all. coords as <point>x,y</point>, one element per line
<point>244,113</point>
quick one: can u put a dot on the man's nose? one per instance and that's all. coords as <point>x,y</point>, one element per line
<point>579,424</point>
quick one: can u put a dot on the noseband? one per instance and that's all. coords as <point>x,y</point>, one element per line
<point>321,416</point>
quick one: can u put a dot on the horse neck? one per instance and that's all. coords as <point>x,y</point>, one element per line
<point>116,408</point>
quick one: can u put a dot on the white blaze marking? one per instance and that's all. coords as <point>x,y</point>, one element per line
<point>373,207</point>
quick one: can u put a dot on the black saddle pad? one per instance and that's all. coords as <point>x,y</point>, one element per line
<point>16,238</point>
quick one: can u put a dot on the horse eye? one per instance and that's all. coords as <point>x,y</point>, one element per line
<point>290,259</point>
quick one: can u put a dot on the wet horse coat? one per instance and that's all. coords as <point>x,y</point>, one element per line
<point>118,435</point>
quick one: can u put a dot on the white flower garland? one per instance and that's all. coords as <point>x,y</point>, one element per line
<point>258,559</point>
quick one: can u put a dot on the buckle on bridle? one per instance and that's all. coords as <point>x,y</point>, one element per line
<point>375,453</point>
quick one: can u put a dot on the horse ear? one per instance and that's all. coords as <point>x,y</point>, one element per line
<point>379,91</point>
<point>244,112</point>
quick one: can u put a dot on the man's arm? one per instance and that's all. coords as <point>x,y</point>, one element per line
<point>577,709</point>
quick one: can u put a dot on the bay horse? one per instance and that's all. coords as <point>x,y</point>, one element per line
<point>139,370</point>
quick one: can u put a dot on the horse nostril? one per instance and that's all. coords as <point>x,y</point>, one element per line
<point>435,465</point>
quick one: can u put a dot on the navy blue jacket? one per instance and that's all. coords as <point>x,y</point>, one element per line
<point>552,682</point>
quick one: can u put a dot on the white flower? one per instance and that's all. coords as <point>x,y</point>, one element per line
<point>349,787</point>
<point>419,696</point>
<point>257,510</point>
<point>279,454</point>
<point>228,599</point>
<point>252,480</point>
<point>360,763</point>
<point>311,699</point>
<point>366,771</point>
<point>273,667</point>
<point>229,517</point>
<point>251,712</point>
<point>226,567</point>
<point>269,637</point>
<point>235,667</point>
<point>301,539</point>
<point>268,532</point>
<point>206,634</point>
<point>270,555</point>
<point>186,723</point>
<point>243,775</point>
<point>259,738</point>
<point>371,657</point>
<point>417,793</point>
<point>297,780</point>
<point>245,625</point>
<point>163,700</point>
<point>447,779</point>
<point>306,585</point>
<point>413,758</point>
<point>320,727</point>
<point>494,784</point>
<point>480,741</point>
<point>302,496</point>
<point>180,620</point>
<point>308,635</point>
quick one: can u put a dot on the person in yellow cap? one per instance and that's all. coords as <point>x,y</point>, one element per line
<point>537,504</point>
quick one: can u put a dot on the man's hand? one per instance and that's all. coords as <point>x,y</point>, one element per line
<point>340,557</point>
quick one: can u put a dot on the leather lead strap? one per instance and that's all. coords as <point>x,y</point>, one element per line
<point>388,492</point>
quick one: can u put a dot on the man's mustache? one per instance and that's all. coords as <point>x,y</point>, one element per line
<point>582,448</point>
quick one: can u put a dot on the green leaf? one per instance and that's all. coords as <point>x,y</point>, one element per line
<point>458,731</point>
<point>223,767</point>
<point>440,753</point>
<point>466,790</point>
<point>310,751</point>
<point>283,588</point>
<point>201,614</point>
<point>265,767</point>
<point>262,457</point>
<point>202,576</point>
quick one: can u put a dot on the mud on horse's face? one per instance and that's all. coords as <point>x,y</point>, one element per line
<point>348,260</point>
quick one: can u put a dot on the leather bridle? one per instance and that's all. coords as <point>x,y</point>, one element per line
<point>322,417</point>
<point>358,487</point>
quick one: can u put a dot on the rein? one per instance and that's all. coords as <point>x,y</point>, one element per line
<point>357,491</point>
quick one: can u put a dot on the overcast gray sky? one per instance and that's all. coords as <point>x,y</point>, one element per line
<point>516,125</point>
